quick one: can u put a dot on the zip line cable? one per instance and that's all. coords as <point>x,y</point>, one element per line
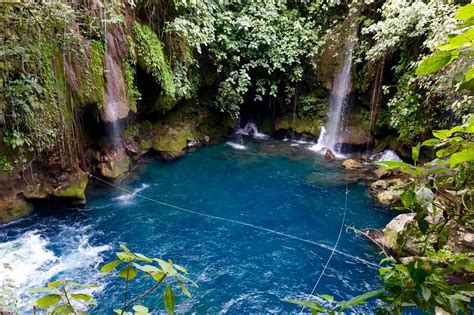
<point>236,221</point>
<point>334,249</point>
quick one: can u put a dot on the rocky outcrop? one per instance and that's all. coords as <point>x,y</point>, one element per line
<point>308,126</point>
<point>351,164</point>
<point>114,163</point>
<point>387,191</point>
<point>116,99</point>
<point>329,155</point>
<point>186,126</point>
<point>389,235</point>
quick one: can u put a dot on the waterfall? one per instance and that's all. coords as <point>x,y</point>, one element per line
<point>331,133</point>
<point>250,129</point>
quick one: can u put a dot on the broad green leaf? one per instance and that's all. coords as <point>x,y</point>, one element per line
<point>148,268</point>
<point>436,61</point>
<point>110,266</point>
<point>469,74</point>
<point>48,300</point>
<point>63,310</point>
<point>143,257</point>
<point>81,296</point>
<point>465,12</point>
<point>128,273</point>
<point>125,256</point>
<point>393,164</point>
<point>431,142</point>
<point>309,304</point>
<point>465,38</point>
<point>327,297</point>
<point>361,299</point>
<point>408,198</point>
<point>169,299</point>
<point>56,283</point>
<point>461,157</point>
<point>468,85</point>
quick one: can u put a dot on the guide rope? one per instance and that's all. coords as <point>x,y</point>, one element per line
<point>236,221</point>
<point>334,248</point>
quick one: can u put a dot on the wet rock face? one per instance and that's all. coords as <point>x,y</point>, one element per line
<point>329,155</point>
<point>116,99</point>
<point>351,164</point>
<point>187,126</point>
<point>301,125</point>
<point>114,163</point>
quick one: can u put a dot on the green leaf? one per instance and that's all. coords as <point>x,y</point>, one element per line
<point>465,38</point>
<point>140,309</point>
<point>465,12</point>
<point>184,289</point>
<point>469,74</point>
<point>128,273</point>
<point>415,152</point>
<point>309,304</point>
<point>430,142</point>
<point>110,266</point>
<point>48,300</point>
<point>63,310</point>
<point>408,198</point>
<point>327,297</point>
<point>81,296</point>
<point>360,299</point>
<point>426,292</point>
<point>436,61</point>
<point>461,157</point>
<point>56,283</point>
<point>169,299</point>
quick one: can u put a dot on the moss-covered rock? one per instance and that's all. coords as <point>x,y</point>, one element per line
<point>187,125</point>
<point>75,191</point>
<point>114,164</point>
<point>14,210</point>
<point>308,126</point>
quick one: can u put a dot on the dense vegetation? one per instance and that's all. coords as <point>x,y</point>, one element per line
<point>413,74</point>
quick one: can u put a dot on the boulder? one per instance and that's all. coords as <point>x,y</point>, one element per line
<point>351,164</point>
<point>75,191</point>
<point>388,237</point>
<point>381,173</point>
<point>388,197</point>
<point>386,183</point>
<point>114,163</point>
<point>387,191</point>
<point>329,155</point>
<point>461,238</point>
<point>14,209</point>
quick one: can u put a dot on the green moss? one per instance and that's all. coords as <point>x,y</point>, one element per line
<point>132,90</point>
<point>301,125</point>
<point>151,57</point>
<point>19,209</point>
<point>97,71</point>
<point>172,139</point>
<point>74,191</point>
<point>164,103</point>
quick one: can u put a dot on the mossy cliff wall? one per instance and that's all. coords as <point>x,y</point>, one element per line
<point>66,67</point>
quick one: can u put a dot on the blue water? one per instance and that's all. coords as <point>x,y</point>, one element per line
<point>238,269</point>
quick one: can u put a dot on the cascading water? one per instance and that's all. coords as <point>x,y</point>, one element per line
<point>250,129</point>
<point>331,133</point>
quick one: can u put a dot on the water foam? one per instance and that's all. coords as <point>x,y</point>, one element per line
<point>250,129</point>
<point>127,198</point>
<point>237,146</point>
<point>29,262</point>
<point>387,155</point>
